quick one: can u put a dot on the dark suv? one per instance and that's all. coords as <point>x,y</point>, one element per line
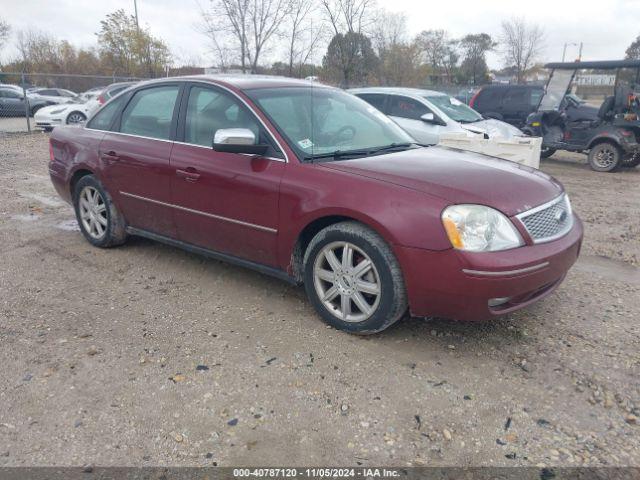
<point>513,103</point>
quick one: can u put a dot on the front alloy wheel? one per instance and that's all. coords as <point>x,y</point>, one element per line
<point>347,282</point>
<point>353,279</point>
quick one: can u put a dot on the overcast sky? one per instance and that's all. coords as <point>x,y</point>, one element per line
<point>606,27</point>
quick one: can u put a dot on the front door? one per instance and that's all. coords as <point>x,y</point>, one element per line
<point>135,158</point>
<point>406,112</point>
<point>225,202</point>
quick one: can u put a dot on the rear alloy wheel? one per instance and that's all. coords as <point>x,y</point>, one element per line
<point>353,279</point>
<point>100,221</point>
<point>75,118</point>
<point>605,157</point>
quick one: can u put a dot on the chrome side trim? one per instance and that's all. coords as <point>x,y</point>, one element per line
<point>204,214</point>
<point>130,135</point>
<point>486,273</point>
<point>275,159</point>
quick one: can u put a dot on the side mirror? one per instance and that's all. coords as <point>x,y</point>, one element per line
<point>428,117</point>
<point>237,140</point>
<point>431,118</point>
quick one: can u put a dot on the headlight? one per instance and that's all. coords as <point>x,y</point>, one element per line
<point>476,228</point>
<point>56,111</point>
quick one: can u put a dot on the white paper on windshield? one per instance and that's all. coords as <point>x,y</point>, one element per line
<point>306,143</point>
<point>455,101</point>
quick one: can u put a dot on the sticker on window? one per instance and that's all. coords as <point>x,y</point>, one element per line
<point>306,143</point>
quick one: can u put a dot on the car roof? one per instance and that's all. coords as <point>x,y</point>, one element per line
<point>244,82</point>
<point>398,91</point>
<point>499,86</point>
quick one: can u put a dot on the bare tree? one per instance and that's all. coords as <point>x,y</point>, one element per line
<point>390,30</point>
<point>250,23</point>
<point>522,44</point>
<point>440,53</point>
<point>5,30</point>
<point>304,36</point>
<point>346,16</point>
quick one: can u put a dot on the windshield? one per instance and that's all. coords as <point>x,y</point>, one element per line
<point>319,121</point>
<point>454,109</point>
<point>556,89</point>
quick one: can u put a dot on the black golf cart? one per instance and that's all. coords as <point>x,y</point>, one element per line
<point>612,139</point>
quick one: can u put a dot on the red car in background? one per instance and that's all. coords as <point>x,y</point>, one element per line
<point>312,185</point>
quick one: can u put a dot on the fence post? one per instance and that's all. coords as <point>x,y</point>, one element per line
<point>26,102</point>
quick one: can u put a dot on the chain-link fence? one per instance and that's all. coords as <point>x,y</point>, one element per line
<point>40,101</point>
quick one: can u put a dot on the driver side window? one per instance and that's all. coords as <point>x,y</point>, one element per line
<point>209,110</point>
<point>405,107</point>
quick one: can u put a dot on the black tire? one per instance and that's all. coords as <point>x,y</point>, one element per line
<point>48,129</point>
<point>391,302</point>
<point>71,118</point>
<point>546,152</point>
<point>631,161</point>
<point>114,232</point>
<point>605,157</point>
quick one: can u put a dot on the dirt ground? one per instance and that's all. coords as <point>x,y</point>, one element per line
<point>147,355</point>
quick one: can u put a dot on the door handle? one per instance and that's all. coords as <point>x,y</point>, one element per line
<point>190,174</point>
<point>110,156</point>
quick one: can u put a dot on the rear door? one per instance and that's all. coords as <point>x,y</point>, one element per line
<point>516,105</point>
<point>226,202</point>
<point>135,157</point>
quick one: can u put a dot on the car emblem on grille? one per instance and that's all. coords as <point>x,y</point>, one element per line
<point>560,216</point>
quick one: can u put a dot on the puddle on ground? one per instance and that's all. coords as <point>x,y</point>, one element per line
<point>609,268</point>
<point>69,225</point>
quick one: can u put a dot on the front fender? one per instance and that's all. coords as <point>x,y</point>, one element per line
<point>400,215</point>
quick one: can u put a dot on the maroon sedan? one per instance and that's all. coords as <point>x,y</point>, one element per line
<point>313,185</point>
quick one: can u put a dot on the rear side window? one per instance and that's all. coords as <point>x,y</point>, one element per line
<point>150,112</point>
<point>50,93</point>
<point>374,99</point>
<point>487,99</point>
<point>105,116</point>
<point>405,107</point>
<point>517,96</point>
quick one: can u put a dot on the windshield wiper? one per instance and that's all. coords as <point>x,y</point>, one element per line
<point>357,153</point>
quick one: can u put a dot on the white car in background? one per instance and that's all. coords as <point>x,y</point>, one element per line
<point>426,114</point>
<point>66,114</point>
<point>434,117</point>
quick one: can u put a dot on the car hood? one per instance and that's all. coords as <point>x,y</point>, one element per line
<point>495,129</point>
<point>459,177</point>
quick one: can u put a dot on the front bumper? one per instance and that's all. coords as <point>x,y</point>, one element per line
<point>459,285</point>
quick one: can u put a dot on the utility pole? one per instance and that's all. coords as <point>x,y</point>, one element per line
<point>580,53</point>
<point>135,7</point>
<point>567,44</point>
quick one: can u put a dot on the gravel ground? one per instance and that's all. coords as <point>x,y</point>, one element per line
<point>147,355</point>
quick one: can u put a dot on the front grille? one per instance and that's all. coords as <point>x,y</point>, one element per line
<point>549,221</point>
